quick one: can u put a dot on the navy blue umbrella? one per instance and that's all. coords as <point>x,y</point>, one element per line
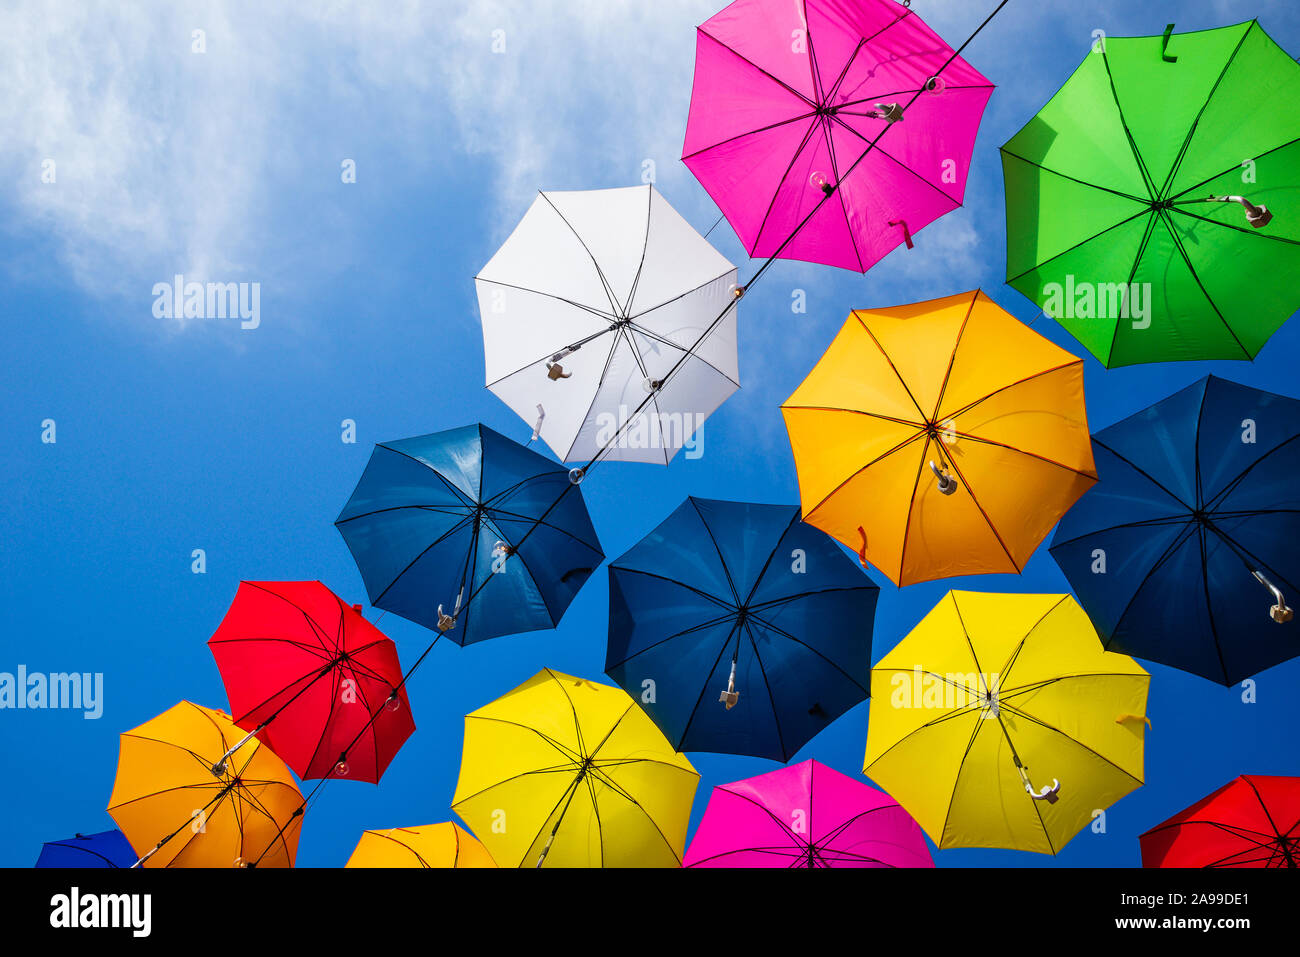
<point>439,518</point>
<point>1185,551</point>
<point>105,849</point>
<point>739,629</point>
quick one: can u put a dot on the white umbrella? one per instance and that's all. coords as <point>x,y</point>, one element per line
<point>595,296</point>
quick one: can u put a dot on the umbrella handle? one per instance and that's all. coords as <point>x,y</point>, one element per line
<point>1049,794</point>
<point>1281,612</point>
<point>1256,216</point>
<point>946,484</point>
<point>730,696</point>
<point>537,429</point>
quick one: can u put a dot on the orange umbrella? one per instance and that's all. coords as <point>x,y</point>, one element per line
<point>432,845</point>
<point>178,811</point>
<point>940,438</point>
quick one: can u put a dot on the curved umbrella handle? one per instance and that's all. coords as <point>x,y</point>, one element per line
<point>1049,794</point>
<point>1281,612</point>
<point>946,484</point>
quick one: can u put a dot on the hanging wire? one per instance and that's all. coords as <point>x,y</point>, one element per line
<point>610,442</point>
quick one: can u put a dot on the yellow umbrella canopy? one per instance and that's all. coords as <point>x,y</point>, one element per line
<point>566,772</point>
<point>1000,721</point>
<point>431,845</point>
<point>177,812</point>
<point>940,438</point>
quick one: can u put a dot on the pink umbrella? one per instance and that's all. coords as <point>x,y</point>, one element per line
<point>856,100</point>
<point>806,815</point>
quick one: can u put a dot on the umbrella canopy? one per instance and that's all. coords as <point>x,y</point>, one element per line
<point>570,773</point>
<point>1253,821</point>
<point>847,124</point>
<point>177,812</point>
<point>433,845</point>
<point>1153,205</point>
<point>438,517</point>
<point>105,849</point>
<point>589,304</point>
<point>320,685</point>
<point>1185,552</point>
<point>940,438</point>
<point>807,815</point>
<point>740,629</point>
<point>1000,722</point>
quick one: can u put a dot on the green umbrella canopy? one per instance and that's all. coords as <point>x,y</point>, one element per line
<point>1110,226</point>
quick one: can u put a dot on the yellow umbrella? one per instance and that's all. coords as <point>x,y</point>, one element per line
<point>1001,722</point>
<point>572,773</point>
<point>940,438</point>
<point>432,845</point>
<point>177,812</point>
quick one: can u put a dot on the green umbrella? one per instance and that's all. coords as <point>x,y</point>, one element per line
<point>1153,206</point>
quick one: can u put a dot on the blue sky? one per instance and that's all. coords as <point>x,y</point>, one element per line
<point>176,435</point>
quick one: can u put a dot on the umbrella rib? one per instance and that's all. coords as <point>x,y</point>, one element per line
<point>1240,229</point>
<point>1209,605</point>
<point>771,698</point>
<point>961,766</point>
<point>901,165</point>
<point>1031,455</point>
<point>544,358</point>
<point>595,394</point>
<point>1043,724</point>
<point>781,83</point>
<point>789,637</point>
<point>988,521</point>
<point>814,68</point>
<point>880,96</point>
<point>911,505</point>
<point>1146,475</point>
<point>952,356</point>
<point>672,581</point>
<point>645,248</point>
<point>1232,485</point>
<point>663,641</point>
<point>717,550</point>
<point>835,170</point>
<point>650,334</point>
<point>1137,156</point>
<point>741,136</point>
<point>873,415</point>
<point>440,509</point>
<point>758,580</point>
<point>1145,523</point>
<point>459,526</point>
<point>1269,815</point>
<point>549,295</point>
<point>523,561</point>
<point>457,493</point>
<point>1191,132</point>
<point>885,355</point>
<point>1047,169</point>
<point>637,358</point>
<point>1010,385</point>
<point>807,138</point>
<point>605,283</point>
<point>785,600</point>
<point>1081,243</point>
<point>645,312</point>
<point>1235,167</point>
<point>1011,659</point>
<point>1182,251</point>
<point>704,687</point>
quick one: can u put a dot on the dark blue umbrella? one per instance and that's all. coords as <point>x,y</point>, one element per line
<point>105,849</point>
<point>739,629</point>
<point>436,519</point>
<point>1186,550</point>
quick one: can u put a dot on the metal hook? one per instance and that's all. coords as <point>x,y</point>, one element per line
<point>946,484</point>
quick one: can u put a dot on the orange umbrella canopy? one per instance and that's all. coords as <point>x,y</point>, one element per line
<point>176,811</point>
<point>940,438</point>
<point>431,845</point>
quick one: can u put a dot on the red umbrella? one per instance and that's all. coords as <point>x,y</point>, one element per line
<point>1253,821</point>
<point>307,674</point>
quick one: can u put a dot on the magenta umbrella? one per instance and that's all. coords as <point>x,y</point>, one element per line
<point>858,100</point>
<point>806,815</point>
